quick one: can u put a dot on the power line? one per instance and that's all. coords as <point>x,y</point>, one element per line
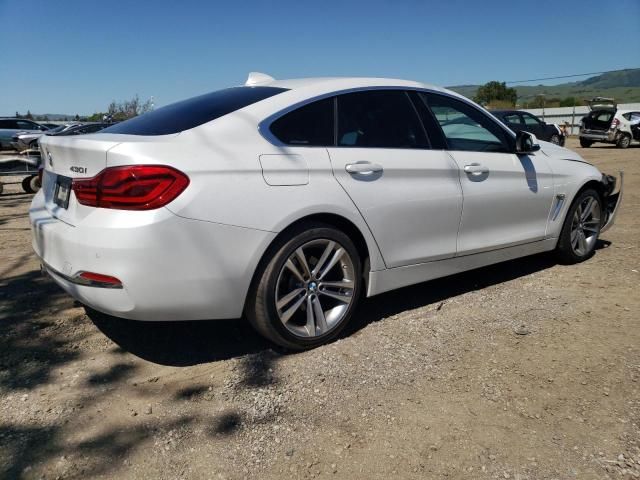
<point>567,76</point>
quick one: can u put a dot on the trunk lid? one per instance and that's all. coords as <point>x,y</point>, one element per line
<point>601,103</point>
<point>66,158</point>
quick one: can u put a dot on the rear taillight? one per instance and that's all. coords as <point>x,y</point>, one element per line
<point>92,279</point>
<point>614,123</point>
<point>134,187</point>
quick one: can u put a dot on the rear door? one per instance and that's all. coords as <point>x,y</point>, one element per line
<point>507,197</point>
<point>407,192</point>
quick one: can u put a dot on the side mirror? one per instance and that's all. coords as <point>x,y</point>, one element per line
<point>526,142</point>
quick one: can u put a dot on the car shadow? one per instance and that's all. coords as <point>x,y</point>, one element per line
<point>186,343</point>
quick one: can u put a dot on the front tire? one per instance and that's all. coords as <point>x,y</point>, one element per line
<point>584,143</point>
<point>581,228</point>
<point>306,288</point>
<point>555,139</point>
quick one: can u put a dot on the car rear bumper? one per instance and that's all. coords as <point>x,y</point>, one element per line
<point>608,136</point>
<point>171,268</point>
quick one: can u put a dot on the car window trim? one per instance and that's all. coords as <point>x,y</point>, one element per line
<point>265,124</point>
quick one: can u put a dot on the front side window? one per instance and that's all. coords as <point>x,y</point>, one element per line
<point>311,125</point>
<point>530,120</point>
<point>195,111</point>
<point>465,127</point>
<point>379,119</point>
<point>513,119</point>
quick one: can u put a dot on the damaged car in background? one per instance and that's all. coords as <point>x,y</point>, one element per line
<point>605,123</point>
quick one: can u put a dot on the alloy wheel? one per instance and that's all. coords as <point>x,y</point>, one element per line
<point>585,226</point>
<point>315,288</point>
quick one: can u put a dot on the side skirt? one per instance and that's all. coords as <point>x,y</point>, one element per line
<point>384,280</point>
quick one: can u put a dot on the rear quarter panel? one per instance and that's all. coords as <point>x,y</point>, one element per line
<point>227,186</point>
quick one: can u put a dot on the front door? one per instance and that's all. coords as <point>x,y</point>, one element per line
<point>507,197</point>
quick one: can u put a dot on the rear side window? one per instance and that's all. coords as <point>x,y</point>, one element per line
<point>379,119</point>
<point>601,115</point>
<point>311,125</point>
<point>195,111</point>
<point>11,124</point>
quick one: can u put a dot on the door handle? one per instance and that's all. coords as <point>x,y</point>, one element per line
<point>363,168</point>
<point>475,169</point>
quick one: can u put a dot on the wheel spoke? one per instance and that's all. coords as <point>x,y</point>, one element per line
<point>343,297</point>
<point>582,241</point>
<point>311,321</point>
<point>289,313</point>
<point>303,261</point>
<point>323,258</point>
<point>290,265</point>
<point>335,259</point>
<point>284,301</point>
<point>338,284</point>
<point>588,209</point>
<point>574,238</point>
<point>321,321</point>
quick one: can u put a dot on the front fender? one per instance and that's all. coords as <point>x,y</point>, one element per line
<point>612,199</point>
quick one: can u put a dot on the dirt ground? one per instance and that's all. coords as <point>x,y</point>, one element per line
<point>524,370</point>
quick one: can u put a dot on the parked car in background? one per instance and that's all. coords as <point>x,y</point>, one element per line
<point>290,200</point>
<point>10,126</point>
<point>24,141</point>
<point>50,125</point>
<point>519,121</point>
<point>80,129</point>
<point>28,140</point>
<point>605,123</point>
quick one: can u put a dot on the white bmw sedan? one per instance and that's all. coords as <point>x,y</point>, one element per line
<point>287,201</point>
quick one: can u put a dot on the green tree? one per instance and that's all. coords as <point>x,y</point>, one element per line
<point>496,91</point>
<point>569,102</point>
<point>28,115</point>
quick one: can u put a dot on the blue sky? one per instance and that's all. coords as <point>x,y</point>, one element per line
<point>69,56</point>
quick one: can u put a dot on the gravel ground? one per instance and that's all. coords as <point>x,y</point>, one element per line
<point>524,370</point>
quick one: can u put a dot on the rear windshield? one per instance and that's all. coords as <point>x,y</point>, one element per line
<point>602,115</point>
<point>195,111</point>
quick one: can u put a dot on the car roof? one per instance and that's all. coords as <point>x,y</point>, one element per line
<point>331,84</point>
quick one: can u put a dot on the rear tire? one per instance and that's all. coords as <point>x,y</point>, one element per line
<point>306,288</point>
<point>35,184</point>
<point>584,143</point>
<point>624,141</point>
<point>31,184</point>
<point>581,228</point>
<point>26,184</point>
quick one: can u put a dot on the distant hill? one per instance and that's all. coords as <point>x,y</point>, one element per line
<point>624,86</point>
